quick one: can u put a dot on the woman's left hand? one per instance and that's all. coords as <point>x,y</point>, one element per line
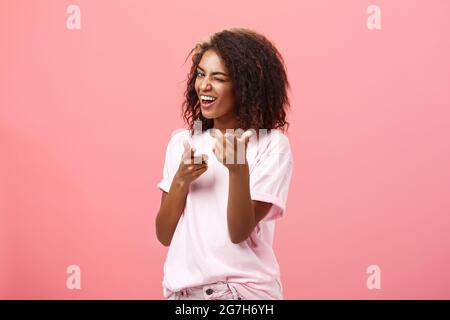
<point>230,149</point>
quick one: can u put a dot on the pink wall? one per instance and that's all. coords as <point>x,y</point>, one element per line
<point>85,116</point>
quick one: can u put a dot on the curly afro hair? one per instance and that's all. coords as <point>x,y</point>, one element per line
<point>258,75</point>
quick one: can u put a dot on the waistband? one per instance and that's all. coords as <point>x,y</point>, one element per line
<point>236,289</point>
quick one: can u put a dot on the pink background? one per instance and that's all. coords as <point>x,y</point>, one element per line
<point>85,116</point>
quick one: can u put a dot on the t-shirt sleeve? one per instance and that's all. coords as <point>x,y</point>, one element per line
<point>171,162</point>
<point>271,176</point>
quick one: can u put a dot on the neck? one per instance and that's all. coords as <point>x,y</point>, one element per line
<point>224,124</point>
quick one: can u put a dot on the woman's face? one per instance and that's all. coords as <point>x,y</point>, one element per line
<point>213,81</point>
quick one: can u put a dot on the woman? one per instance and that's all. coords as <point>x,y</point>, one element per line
<point>218,207</point>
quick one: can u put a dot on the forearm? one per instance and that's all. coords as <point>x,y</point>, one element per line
<point>240,215</point>
<point>170,212</point>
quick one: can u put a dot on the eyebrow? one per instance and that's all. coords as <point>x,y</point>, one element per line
<point>213,73</point>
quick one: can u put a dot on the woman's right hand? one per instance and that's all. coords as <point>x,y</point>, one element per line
<point>191,167</point>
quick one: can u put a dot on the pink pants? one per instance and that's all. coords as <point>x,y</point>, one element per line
<point>221,290</point>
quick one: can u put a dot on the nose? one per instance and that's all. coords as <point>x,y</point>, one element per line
<point>205,84</point>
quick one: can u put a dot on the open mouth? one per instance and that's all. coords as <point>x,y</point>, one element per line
<point>207,101</point>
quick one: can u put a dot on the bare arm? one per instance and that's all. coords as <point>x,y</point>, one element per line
<point>172,206</point>
<point>243,213</point>
<point>174,202</point>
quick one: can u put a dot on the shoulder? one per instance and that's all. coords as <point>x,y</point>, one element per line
<point>276,141</point>
<point>177,137</point>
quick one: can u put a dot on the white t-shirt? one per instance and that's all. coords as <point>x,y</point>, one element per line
<point>201,251</point>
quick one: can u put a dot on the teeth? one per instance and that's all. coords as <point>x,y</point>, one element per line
<point>208,98</point>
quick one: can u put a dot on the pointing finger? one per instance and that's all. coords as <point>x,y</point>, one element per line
<point>186,145</point>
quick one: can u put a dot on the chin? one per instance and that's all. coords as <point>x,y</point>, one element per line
<point>208,116</point>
